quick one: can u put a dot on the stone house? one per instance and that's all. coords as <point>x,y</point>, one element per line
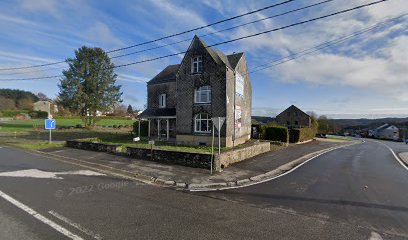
<point>182,99</point>
<point>45,106</point>
<point>293,117</point>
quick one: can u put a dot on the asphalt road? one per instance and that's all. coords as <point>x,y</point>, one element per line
<point>362,185</point>
<point>324,199</point>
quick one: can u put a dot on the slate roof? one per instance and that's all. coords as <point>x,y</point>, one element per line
<point>234,59</point>
<point>292,107</point>
<point>158,112</point>
<point>167,75</point>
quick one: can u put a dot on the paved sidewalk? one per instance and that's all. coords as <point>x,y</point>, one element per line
<point>195,177</point>
<point>404,157</point>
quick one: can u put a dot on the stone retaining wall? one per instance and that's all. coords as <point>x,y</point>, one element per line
<point>240,154</point>
<point>99,147</point>
<point>198,160</point>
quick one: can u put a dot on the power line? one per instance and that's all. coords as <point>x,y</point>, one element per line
<point>165,37</point>
<point>202,27</point>
<point>225,29</point>
<point>189,39</point>
<point>259,33</point>
<point>232,40</point>
<point>322,45</point>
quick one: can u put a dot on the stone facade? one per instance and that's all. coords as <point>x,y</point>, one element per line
<point>293,117</point>
<point>231,97</point>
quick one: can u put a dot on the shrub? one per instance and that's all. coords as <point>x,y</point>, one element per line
<point>38,114</point>
<point>302,134</point>
<point>144,128</point>
<point>274,133</point>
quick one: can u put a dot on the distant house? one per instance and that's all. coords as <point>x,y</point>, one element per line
<point>293,117</point>
<point>386,131</point>
<point>45,106</point>
<point>183,98</point>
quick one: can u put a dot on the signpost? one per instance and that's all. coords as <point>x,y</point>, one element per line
<point>217,123</point>
<point>49,124</point>
<point>151,142</point>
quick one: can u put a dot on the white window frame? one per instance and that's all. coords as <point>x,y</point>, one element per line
<point>162,101</point>
<point>203,90</point>
<point>197,64</point>
<point>197,123</point>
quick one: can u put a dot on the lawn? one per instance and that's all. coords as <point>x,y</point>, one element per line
<point>31,134</point>
<point>35,124</point>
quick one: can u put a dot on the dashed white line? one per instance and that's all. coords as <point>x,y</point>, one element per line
<point>40,217</point>
<point>75,225</point>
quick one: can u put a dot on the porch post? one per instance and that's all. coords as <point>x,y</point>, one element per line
<point>158,129</point>
<point>167,122</point>
<point>148,129</point>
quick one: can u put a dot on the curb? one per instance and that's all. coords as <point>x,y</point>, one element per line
<point>268,176</point>
<point>404,157</point>
<point>280,171</point>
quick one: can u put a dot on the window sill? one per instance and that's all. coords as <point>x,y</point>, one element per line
<point>206,103</point>
<point>202,133</point>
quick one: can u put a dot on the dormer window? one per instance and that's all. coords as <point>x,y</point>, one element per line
<point>197,64</point>
<point>162,101</point>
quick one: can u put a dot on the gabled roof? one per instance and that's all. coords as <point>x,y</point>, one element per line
<point>167,75</point>
<point>216,54</point>
<point>292,108</point>
<point>234,59</point>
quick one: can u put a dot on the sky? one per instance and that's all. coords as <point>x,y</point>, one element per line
<point>364,76</point>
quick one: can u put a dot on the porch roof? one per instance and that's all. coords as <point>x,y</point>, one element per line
<point>158,113</point>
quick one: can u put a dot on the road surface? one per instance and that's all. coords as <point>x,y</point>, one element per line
<point>358,192</point>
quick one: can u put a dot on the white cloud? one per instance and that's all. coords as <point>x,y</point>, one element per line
<point>100,33</point>
<point>386,74</point>
<point>49,6</point>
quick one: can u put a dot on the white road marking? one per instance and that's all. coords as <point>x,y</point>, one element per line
<point>75,225</point>
<point>35,173</point>
<point>393,153</point>
<point>375,236</point>
<point>40,217</point>
<point>273,178</point>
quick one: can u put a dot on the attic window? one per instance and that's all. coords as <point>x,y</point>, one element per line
<point>197,64</point>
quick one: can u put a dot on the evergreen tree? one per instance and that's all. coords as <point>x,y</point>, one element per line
<point>89,84</point>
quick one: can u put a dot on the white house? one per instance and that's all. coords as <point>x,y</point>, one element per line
<point>386,131</point>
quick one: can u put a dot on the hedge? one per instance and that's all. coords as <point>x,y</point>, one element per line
<point>144,128</point>
<point>302,134</point>
<point>274,133</point>
<point>12,113</point>
<point>38,114</point>
<point>98,118</point>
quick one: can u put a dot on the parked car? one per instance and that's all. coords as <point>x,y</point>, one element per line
<point>406,141</point>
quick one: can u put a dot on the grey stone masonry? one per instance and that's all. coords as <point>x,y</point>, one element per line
<point>231,96</point>
<point>293,117</point>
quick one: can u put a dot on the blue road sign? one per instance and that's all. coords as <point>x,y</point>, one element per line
<point>49,124</point>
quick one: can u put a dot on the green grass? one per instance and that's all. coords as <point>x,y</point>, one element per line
<point>34,124</point>
<point>37,145</point>
<point>31,134</point>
